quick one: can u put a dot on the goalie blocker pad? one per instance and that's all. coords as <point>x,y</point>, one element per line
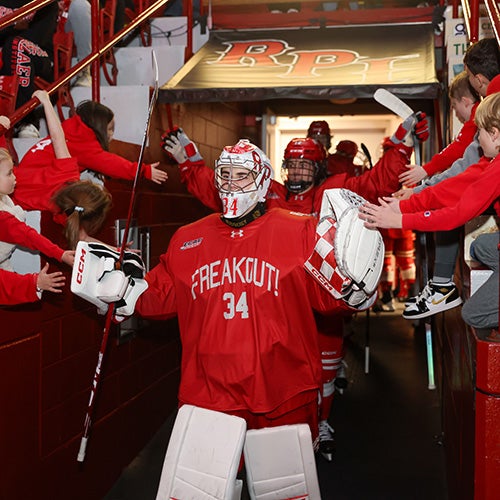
<point>347,259</point>
<point>96,279</point>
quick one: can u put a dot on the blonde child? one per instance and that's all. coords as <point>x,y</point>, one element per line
<point>456,201</point>
<point>463,101</point>
<point>13,230</point>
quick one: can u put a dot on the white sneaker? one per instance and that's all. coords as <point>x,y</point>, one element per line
<point>28,131</point>
<point>438,298</point>
<point>422,295</point>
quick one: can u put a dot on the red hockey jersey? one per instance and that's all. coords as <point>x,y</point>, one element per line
<point>245,308</point>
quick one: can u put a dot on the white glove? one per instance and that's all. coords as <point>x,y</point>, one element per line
<point>95,278</point>
<point>112,286</point>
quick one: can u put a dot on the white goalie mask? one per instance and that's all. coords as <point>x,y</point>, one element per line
<point>242,176</point>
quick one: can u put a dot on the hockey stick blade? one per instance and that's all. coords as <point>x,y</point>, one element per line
<point>111,308</point>
<point>393,103</point>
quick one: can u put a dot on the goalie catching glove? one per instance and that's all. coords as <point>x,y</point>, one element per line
<point>96,279</point>
<point>179,146</point>
<point>347,259</point>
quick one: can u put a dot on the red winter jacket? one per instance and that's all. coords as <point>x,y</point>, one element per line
<point>471,202</point>
<point>84,146</point>
<point>455,150</point>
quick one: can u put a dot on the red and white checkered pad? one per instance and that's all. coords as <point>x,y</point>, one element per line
<point>322,264</point>
<point>348,257</point>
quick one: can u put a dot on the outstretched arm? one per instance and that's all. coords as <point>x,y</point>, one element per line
<point>386,215</point>
<point>53,124</point>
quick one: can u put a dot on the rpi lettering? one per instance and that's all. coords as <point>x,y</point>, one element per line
<point>304,63</point>
<point>81,265</point>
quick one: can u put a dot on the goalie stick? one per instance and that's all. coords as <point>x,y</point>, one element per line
<point>400,108</point>
<point>109,314</point>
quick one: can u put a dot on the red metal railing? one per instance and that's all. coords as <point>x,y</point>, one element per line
<point>471,16</point>
<point>97,50</point>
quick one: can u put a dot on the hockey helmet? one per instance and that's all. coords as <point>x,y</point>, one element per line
<point>349,149</point>
<point>303,164</point>
<point>320,130</point>
<point>243,174</point>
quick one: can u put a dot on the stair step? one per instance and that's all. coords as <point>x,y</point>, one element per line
<point>135,67</point>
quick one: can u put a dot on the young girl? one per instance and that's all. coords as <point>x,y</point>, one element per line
<point>80,206</point>
<point>85,207</point>
<point>86,137</point>
<point>13,230</point>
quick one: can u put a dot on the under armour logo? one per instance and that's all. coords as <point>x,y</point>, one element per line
<point>237,233</point>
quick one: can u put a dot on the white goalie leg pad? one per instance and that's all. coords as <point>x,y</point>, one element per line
<point>280,463</point>
<point>203,456</point>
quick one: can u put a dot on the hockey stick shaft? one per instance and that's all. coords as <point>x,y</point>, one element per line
<point>367,154</point>
<point>109,315</point>
<point>425,271</point>
<point>152,103</point>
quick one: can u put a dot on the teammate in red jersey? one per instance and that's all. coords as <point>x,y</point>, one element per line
<point>245,305</point>
<point>304,174</point>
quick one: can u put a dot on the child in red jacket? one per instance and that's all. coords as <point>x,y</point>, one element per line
<point>87,135</point>
<point>463,101</point>
<point>461,199</point>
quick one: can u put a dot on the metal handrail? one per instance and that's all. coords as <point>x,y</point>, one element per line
<point>22,11</point>
<point>92,58</point>
<point>494,15</point>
